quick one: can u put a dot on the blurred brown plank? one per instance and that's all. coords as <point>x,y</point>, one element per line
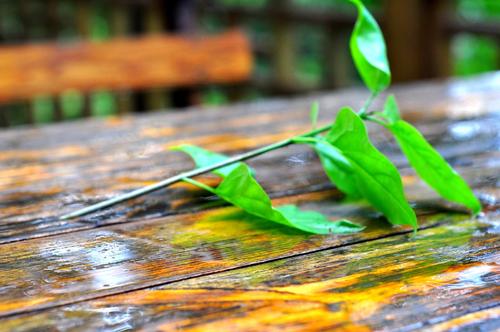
<point>82,24</point>
<point>82,20</point>
<point>454,25</point>
<point>404,39</point>
<point>418,45</point>
<point>165,61</point>
<point>290,13</point>
<point>283,48</point>
<point>120,26</point>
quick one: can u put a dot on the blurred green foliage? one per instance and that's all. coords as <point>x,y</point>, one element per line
<point>72,104</point>
<point>310,46</point>
<point>102,103</point>
<point>244,3</point>
<point>479,9</point>
<point>213,96</point>
<point>309,50</point>
<point>474,54</point>
<point>471,54</point>
<point>43,109</point>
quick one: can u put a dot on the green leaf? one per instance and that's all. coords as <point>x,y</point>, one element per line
<point>428,163</point>
<point>203,158</point>
<point>337,167</point>
<point>391,110</point>
<point>317,222</point>
<point>371,173</point>
<point>241,189</point>
<point>314,114</point>
<point>368,50</point>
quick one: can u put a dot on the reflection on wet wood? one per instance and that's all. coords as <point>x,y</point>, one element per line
<point>304,176</point>
<point>445,277</point>
<point>42,175</point>
<point>81,265</point>
<point>215,268</point>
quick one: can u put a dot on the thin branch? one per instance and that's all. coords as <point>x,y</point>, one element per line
<point>367,104</point>
<point>195,172</point>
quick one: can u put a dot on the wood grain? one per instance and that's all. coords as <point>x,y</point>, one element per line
<point>68,268</point>
<point>445,278</point>
<point>81,265</point>
<point>57,169</point>
<point>156,61</point>
<point>182,199</point>
<point>177,259</point>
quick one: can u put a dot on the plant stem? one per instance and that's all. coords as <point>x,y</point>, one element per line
<point>199,184</point>
<point>301,139</point>
<point>198,171</point>
<point>376,120</point>
<point>367,104</point>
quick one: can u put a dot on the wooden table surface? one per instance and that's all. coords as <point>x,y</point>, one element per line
<point>178,259</point>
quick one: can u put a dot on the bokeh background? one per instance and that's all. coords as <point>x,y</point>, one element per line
<point>299,46</point>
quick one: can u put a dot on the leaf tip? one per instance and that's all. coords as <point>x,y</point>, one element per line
<point>476,207</point>
<point>391,110</point>
<point>178,147</point>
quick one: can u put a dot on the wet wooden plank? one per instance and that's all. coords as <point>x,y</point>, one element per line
<point>479,169</point>
<point>60,189</point>
<point>56,169</point>
<point>444,278</point>
<point>156,61</point>
<point>29,210</point>
<point>99,264</point>
<point>57,270</point>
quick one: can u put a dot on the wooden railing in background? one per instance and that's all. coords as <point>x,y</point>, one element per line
<point>418,33</point>
<point>73,21</point>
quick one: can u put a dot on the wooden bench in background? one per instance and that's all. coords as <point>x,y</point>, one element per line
<point>122,64</point>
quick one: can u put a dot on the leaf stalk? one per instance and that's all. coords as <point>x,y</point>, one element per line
<point>195,172</point>
<point>368,102</point>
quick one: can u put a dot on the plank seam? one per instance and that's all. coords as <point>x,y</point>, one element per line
<point>203,274</point>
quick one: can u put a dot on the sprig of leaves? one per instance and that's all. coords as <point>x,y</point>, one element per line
<point>360,170</point>
<point>369,54</point>
<point>348,157</point>
<point>426,161</point>
<point>241,189</point>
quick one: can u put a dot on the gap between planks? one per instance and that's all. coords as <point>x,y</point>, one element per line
<point>82,225</point>
<point>147,285</point>
<point>400,234</point>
